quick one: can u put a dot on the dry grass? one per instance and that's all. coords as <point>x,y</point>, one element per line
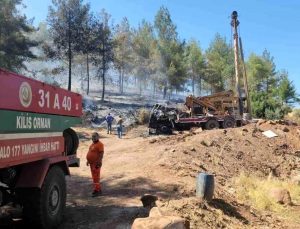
<point>293,116</point>
<point>143,116</point>
<point>255,192</point>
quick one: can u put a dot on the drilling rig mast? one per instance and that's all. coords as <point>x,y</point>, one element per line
<point>235,23</point>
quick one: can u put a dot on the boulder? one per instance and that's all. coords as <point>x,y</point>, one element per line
<point>261,121</point>
<point>271,122</point>
<point>285,129</point>
<point>281,196</point>
<point>155,212</point>
<point>153,140</point>
<point>209,142</point>
<point>205,143</point>
<point>198,130</point>
<point>160,222</point>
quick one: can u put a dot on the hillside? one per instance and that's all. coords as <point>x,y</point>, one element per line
<point>245,163</point>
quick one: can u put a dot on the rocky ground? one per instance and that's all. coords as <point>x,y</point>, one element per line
<point>167,166</point>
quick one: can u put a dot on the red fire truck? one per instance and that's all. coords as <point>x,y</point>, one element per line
<point>37,146</point>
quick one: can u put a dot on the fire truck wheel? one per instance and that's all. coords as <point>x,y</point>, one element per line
<point>229,122</point>
<point>212,124</point>
<point>71,141</point>
<point>44,208</point>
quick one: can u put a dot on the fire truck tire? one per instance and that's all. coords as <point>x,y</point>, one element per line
<point>44,208</point>
<point>212,124</point>
<point>229,122</point>
<point>71,141</point>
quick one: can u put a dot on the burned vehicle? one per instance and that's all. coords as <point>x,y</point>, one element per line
<point>209,112</point>
<point>162,119</point>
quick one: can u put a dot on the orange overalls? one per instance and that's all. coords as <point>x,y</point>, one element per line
<point>94,158</point>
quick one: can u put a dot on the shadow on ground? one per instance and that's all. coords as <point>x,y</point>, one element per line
<point>228,209</point>
<point>117,208</point>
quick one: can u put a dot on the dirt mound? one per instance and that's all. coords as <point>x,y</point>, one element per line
<point>226,154</point>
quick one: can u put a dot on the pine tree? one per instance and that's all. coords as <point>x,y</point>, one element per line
<point>123,51</point>
<point>15,46</point>
<point>171,51</point>
<point>144,48</point>
<point>104,45</point>
<point>220,65</point>
<point>286,89</point>
<point>195,63</point>
<point>271,92</point>
<point>67,19</point>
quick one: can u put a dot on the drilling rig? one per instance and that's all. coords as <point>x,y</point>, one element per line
<point>223,109</point>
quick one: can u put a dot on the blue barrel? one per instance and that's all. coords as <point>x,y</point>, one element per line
<point>205,186</point>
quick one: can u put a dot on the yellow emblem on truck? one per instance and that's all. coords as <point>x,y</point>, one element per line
<point>25,94</point>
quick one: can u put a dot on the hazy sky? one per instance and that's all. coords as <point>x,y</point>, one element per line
<point>264,24</point>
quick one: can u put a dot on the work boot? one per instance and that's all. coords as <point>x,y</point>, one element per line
<point>96,193</point>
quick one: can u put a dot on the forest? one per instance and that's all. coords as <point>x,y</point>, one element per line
<point>76,44</point>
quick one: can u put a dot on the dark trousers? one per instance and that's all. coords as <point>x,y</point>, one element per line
<point>119,129</point>
<point>109,128</point>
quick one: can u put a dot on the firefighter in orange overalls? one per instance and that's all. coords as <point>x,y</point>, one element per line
<point>94,160</point>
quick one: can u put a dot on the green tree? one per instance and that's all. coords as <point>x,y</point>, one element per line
<point>286,89</point>
<point>271,92</point>
<point>104,45</point>
<point>123,51</point>
<point>88,46</point>
<point>262,97</point>
<point>144,50</point>
<point>220,65</point>
<point>195,63</point>
<point>177,71</point>
<point>15,46</point>
<point>67,19</point>
<point>171,51</point>
<point>257,73</point>
<point>270,77</point>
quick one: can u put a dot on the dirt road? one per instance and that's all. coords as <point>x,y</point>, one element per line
<point>129,171</point>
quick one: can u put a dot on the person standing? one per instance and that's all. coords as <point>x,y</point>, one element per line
<point>109,119</point>
<point>94,160</point>
<point>120,126</point>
